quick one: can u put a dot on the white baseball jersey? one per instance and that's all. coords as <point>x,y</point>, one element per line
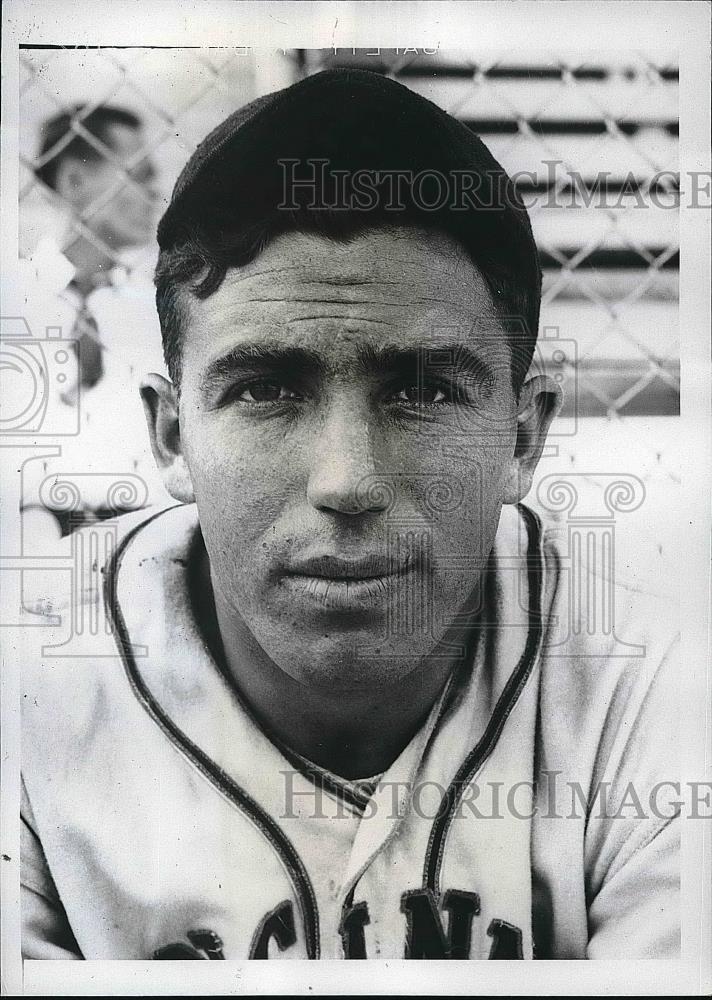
<point>526,819</point>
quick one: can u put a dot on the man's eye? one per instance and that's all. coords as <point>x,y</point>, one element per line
<point>265,392</point>
<point>421,395</point>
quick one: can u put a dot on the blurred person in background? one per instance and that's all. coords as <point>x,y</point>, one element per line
<point>83,175</point>
<point>93,278</point>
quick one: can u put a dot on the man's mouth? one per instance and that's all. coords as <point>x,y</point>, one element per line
<point>357,584</point>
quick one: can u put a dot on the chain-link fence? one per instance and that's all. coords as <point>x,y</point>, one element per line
<point>592,142</point>
<point>593,145</point>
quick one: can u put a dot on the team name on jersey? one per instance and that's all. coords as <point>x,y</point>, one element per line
<point>430,932</point>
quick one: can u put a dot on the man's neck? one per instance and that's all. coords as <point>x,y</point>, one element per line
<point>352,735</point>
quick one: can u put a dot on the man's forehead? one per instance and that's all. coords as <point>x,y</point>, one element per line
<point>313,292</point>
<point>391,255</point>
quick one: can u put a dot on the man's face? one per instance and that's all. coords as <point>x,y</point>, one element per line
<point>127,217</point>
<point>348,420</point>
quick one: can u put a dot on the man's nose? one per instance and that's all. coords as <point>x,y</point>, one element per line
<point>344,463</point>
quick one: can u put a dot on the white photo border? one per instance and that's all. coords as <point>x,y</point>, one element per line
<point>569,24</point>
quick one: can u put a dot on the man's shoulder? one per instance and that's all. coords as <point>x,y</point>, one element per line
<point>587,593</point>
<point>76,564</point>
<point>609,647</point>
<point>79,699</point>
<point>594,605</point>
<point>597,631</point>
<point>74,626</point>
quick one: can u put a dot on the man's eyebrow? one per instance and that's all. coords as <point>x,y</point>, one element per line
<point>271,358</point>
<point>455,359</point>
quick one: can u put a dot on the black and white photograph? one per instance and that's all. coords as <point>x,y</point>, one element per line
<point>355,416</point>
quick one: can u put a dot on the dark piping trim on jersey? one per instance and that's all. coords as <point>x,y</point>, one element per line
<point>354,797</point>
<point>321,780</point>
<point>279,841</point>
<point>506,702</point>
<point>449,693</point>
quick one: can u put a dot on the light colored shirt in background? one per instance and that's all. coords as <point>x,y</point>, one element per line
<point>112,442</point>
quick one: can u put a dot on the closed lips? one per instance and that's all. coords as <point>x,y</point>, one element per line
<point>336,568</point>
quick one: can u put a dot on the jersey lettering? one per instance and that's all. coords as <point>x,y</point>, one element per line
<point>506,940</point>
<point>203,940</point>
<point>351,928</point>
<point>278,924</point>
<point>425,935</point>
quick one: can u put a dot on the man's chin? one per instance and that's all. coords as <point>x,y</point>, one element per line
<point>353,663</point>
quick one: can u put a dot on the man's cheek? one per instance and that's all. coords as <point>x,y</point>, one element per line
<point>246,497</point>
<point>242,494</point>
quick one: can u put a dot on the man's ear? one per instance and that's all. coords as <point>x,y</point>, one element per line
<point>160,405</point>
<point>539,402</point>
